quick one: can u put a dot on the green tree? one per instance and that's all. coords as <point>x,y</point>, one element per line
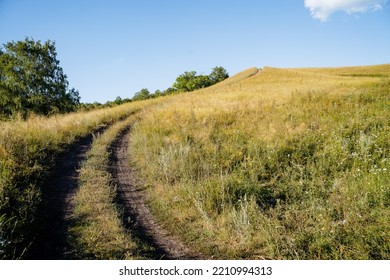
<point>31,80</point>
<point>118,100</point>
<point>142,94</point>
<point>169,91</point>
<point>218,75</point>
<point>198,82</point>
<point>183,82</point>
<point>158,93</point>
<point>189,81</point>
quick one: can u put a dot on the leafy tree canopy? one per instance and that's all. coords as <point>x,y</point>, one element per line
<point>218,75</point>
<point>142,94</point>
<point>32,81</point>
<point>189,81</point>
<point>182,82</point>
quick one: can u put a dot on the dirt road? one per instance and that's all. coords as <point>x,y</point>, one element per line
<point>137,216</point>
<point>55,213</point>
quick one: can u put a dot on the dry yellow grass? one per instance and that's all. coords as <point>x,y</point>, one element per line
<point>275,163</point>
<point>271,165</point>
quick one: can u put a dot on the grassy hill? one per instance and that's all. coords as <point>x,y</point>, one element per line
<point>268,164</point>
<point>274,163</point>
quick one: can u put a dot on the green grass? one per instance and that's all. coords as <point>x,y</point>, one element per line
<point>285,164</point>
<point>96,231</point>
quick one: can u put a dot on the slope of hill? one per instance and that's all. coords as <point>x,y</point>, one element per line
<point>270,163</point>
<point>275,163</point>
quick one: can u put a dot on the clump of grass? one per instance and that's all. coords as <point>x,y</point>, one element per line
<point>286,164</point>
<point>27,152</point>
<point>97,231</point>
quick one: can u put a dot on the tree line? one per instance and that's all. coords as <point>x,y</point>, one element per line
<point>32,82</point>
<point>186,82</point>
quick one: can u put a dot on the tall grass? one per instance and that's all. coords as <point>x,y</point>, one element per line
<point>27,152</point>
<point>285,164</point>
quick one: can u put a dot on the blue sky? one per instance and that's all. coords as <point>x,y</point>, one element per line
<point>114,48</point>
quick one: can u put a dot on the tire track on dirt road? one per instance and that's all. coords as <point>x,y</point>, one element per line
<point>137,216</point>
<point>54,216</point>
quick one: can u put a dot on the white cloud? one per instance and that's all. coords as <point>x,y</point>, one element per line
<point>322,9</point>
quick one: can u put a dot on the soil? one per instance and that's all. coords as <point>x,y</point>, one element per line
<point>136,214</point>
<point>57,193</point>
